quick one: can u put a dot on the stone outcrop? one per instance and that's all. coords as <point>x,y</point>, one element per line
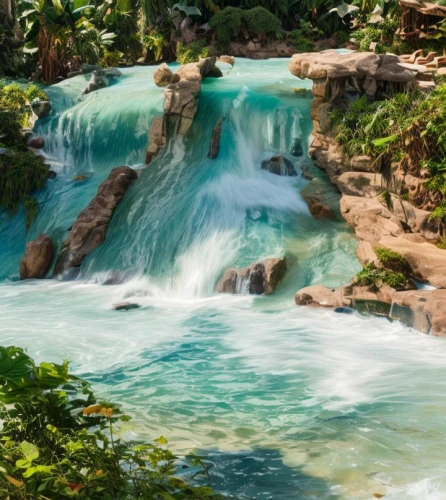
<point>369,204</point>
<point>41,108</point>
<point>100,79</point>
<point>163,76</point>
<point>36,262</point>
<point>257,279</point>
<point>36,142</point>
<point>257,49</point>
<point>214,146</point>
<point>227,59</point>
<point>180,103</point>
<point>279,165</point>
<point>318,209</point>
<point>90,228</point>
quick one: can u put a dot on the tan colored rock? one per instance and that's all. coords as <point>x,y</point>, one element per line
<point>36,262</point>
<point>360,184</point>
<point>427,261</point>
<point>362,163</point>
<point>320,296</point>
<point>424,310</point>
<point>365,253</point>
<point>227,59</point>
<point>318,209</point>
<point>90,228</point>
<point>256,279</point>
<point>163,76</point>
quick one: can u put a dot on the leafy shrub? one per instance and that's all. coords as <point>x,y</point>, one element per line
<point>229,21</point>
<point>393,260</point>
<point>381,33</point>
<point>59,441</point>
<point>192,52</point>
<point>301,41</point>
<point>371,275</point>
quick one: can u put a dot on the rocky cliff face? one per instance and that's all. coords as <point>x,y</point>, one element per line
<point>379,221</point>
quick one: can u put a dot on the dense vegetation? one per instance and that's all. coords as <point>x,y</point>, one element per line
<point>406,132</point>
<point>21,171</point>
<point>391,269</point>
<point>59,441</point>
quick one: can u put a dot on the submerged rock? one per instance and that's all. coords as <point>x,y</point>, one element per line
<point>36,142</point>
<point>126,306</point>
<point>214,147</point>
<point>279,165</point>
<point>97,82</point>
<point>318,209</point>
<point>256,279</point>
<point>90,228</point>
<point>36,262</point>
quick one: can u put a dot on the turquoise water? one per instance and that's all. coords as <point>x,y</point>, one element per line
<point>287,402</point>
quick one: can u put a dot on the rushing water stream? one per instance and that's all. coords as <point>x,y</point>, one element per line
<point>288,403</point>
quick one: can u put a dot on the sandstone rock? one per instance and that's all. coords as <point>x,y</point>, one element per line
<point>257,279</point>
<point>424,310</point>
<point>320,296</point>
<point>180,103</point>
<point>279,165</point>
<point>214,147</point>
<point>227,59</point>
<point>163,76</point>
<point>36,262</point>
<point>90,228</point>
<point>365,253</point>
<point>360,184</point>
<point>362,163</point>
<point>36,142</point>
<point>41,108</point>
<point>318,209</point>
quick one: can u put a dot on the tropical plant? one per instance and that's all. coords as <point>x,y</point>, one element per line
<point>59,441</point>
<point>370,275</point>
<point>192,52</point>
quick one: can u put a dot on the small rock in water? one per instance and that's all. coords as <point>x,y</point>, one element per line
<point>79,178</point>
<point>51,174</point>
<point>125,306</point>
<point>344,310</point>
<point>279,165</point>
<point>298,149</point>
<point>36,142</point>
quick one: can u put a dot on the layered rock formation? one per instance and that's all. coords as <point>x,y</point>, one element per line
<point>180,103</point>
<point>90,228</point>
<point>36,262</point>
<point>279,165</point>
<point>379,217</point>
<point>257,279</point>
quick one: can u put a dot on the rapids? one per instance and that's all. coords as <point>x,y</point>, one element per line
<point>287,402</point>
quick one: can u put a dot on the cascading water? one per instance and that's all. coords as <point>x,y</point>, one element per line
<point>288,402</point>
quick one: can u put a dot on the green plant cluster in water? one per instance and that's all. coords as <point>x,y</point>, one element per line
<point>229,21</point>
<point>59,441</point>
<point>192,52</point>
<point>21,172</point>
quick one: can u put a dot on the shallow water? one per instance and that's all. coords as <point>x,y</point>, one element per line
<point>287,402</point>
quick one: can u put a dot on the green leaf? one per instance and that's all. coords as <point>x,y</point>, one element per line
<point>344,8</point>
<point>30,450</point>
<point>39,469</point>
<point>161,440</point>
<point>384,140</point>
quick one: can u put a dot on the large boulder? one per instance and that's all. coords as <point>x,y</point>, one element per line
<point>424,310</point>
<point>360,184</point>
<point>320,296</point>
<point>90,228</point>
<point>36,262</point>
<point>318,209</point>
<point>279,165</point>
<point>256,279</point>
<point>163,76</point>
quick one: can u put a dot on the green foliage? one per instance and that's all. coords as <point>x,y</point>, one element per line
<point>381,33</point>
<point>440,212</point>
<point>229,21</point>
<point>301,41</point>
<point>371,275</point>
<point>393,260</point>
<point>192,52</point>
<point>34,92</point>
<point>156,44</point>
<point>58,441</point>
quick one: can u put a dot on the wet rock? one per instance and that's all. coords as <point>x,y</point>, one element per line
<point>41,108</point>
<point>424,310</point>
<point>112,73</point>
<point>51,174</point>
<point>80,178</point>
<point>344,310</point>
<point>97,82</point>
<point>36,142</point>
<point>227,59</point>
<point>36,262</point>
<point>320,296</point>
<point>256,279</point>
<point>163,76</point>
<point>298,149</point>
<point>305,169</point>
<point>318,209</point>
<point>279,165</point>
<point>180,103</point>
<point>126,306</point>
<point>90,228</point>
<point>214,147</point>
